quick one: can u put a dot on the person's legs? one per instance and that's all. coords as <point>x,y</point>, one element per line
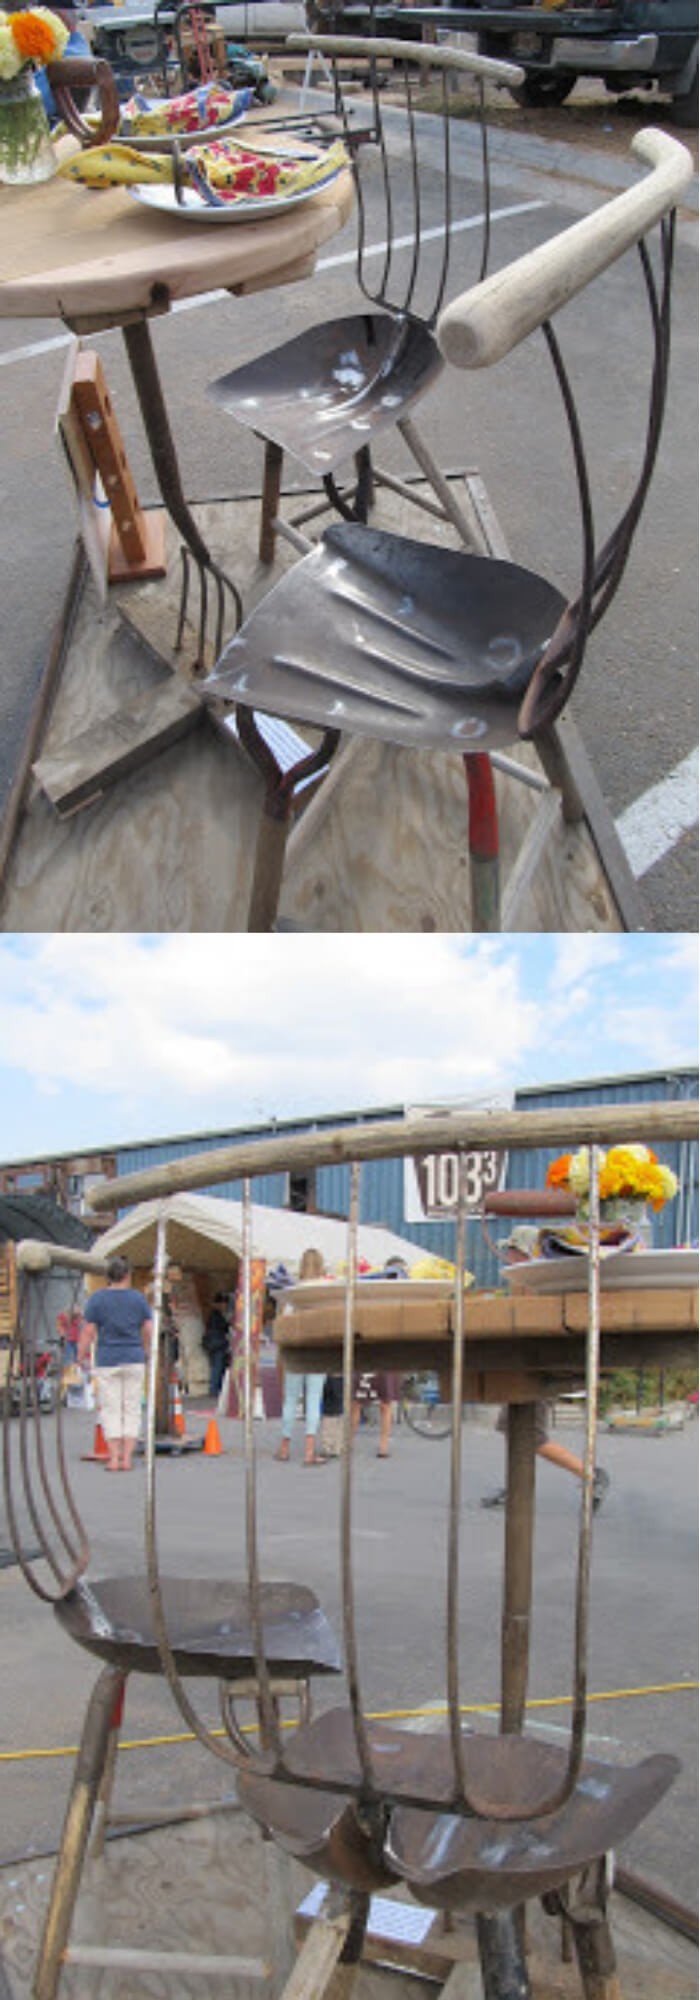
<point>558,1455</point>
<point>385,1422</point>
<point>217,1371</point>
<point>289,1410</point>
<point>109,1400</point>
<point>313,1392</point>
<point>131,1393</point>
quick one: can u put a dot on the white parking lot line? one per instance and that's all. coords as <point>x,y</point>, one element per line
<point>650,827</point>
<point>37,347</point>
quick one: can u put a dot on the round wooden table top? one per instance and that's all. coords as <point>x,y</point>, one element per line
<point>95,258</point>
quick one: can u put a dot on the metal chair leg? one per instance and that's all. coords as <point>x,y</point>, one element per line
<point>106,1788</point>
<point>501,1956</point>
<point>483,842</point>
<point>89,1770</point>
<point>597,1965</point>
<point>270,503</point>
<point>554,761</point>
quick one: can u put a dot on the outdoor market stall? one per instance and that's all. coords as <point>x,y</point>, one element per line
<point>469,1823</point>
<point>205,1244</point>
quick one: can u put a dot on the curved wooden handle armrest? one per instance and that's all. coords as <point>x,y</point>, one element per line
<point>85,73</point>
<point>427,53</point>
<point>530,1205</point>
<point>484,323</point>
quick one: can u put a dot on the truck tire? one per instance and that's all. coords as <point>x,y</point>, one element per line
<point>685,108</point>
<point>538,92</point>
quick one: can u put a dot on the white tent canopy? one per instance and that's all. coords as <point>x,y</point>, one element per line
<point>206,1234</point>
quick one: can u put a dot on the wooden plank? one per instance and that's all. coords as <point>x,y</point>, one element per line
<point>397,1138</point>
<point>41,710</point>
<point>524,1317</point>
<point>313,1973</point>
<point>170,848</point>
<point>599,819</point>
<point>82,769</point>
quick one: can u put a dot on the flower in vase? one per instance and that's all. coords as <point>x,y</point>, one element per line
<point>625,1173</point>
<point>34,36</point>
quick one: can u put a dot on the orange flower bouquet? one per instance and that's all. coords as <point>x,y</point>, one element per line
<point>32,37</point>
<point>630,1179</point>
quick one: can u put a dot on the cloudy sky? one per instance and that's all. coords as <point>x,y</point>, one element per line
<point>113,1038</point>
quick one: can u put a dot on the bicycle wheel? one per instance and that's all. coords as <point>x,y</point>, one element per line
<point>422,1408</point>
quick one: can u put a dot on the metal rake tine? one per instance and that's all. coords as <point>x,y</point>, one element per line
<point>223,1750</point>
<point>351,1650</point>
<point>268,1711</point>
<point>483,1808</point>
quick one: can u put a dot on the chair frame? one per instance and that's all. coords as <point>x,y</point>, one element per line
<point>64,1552</point>
<point>476,329</point>
<point>397,297</point>
<point>333,1948</point>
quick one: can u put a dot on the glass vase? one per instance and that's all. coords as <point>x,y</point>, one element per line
<point>622,1212</point>
<point>26,152</point>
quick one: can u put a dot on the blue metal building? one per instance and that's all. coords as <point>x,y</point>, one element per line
<point>385,1184</point>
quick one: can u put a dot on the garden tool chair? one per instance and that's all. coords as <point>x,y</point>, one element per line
<point>331,392</point>
<point>466,1822</point>
<point>113,1617</point>
<point>437,648</point>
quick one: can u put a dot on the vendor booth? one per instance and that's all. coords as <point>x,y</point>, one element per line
<point>205,1240</point>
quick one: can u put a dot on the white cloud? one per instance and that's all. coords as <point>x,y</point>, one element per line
<point>580,954</point>
<point>267,1022</point>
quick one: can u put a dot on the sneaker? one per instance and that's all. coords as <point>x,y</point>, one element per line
<point>601,1482</point>
<point>495,1499</point>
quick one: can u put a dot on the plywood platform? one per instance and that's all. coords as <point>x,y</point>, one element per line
<point>168,843</point>
<point>200,1887</point>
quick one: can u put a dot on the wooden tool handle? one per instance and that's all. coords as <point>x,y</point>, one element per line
<point>85,73</point>
<point>428,54</point>
<point>485,323</point>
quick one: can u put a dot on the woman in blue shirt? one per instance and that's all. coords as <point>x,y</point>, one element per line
<point>118,1326</point>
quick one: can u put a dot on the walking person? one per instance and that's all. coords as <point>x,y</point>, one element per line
<point>518,1248</point>
<point>378,1388</point>
<point>216,1341</point>
<point>311,1266</point>
<point>119,1327</point>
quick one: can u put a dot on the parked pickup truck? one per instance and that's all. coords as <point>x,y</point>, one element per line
<point>629,45</point>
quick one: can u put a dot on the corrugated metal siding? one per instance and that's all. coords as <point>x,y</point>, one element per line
<point>382,1186</point>
<point>678,1221</point>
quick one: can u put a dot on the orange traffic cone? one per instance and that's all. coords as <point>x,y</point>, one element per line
<point>99,1449</point>
<point>176,1408</point>
<point>212,1443</point>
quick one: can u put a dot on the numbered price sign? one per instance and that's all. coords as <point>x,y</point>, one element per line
<point>432,1183</point>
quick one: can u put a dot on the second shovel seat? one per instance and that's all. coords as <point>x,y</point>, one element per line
<point>431,647</point>
<point>329,393</point>
<point>452,1860</point>
<point>208,1623</point>
<point>334,388</point>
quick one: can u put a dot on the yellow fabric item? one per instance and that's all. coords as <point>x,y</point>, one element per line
<point>233,171</point>
<point>437,1267</point>
<point>116,166</point>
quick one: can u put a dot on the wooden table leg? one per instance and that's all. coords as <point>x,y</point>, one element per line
<point>89,1770</point>
<point>517,1583</point>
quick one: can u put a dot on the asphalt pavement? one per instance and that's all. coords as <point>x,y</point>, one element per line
<point>636,703</point>
<point>643,1631</point>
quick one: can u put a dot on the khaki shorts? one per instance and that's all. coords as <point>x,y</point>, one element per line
<point>541,1423</point>
<point>119,1396</point>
